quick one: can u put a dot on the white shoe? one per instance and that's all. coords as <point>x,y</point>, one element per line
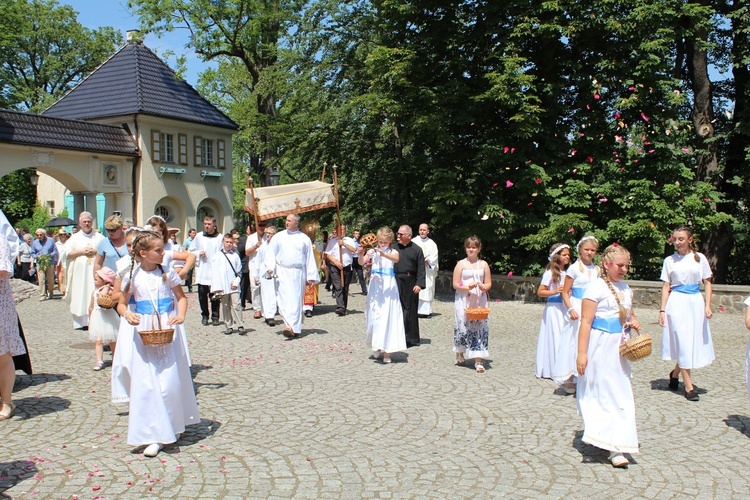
<point>152,450</point>
<point>378,355</point>
<point>618,460</point>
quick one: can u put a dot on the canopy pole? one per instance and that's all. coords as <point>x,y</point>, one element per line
<point>338,222</point>
<point>323,175</point>
<point>255,201</point>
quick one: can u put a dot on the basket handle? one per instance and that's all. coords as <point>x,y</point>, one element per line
<point>158,318</point>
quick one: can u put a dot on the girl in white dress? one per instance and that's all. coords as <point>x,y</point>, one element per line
<point>683,314</point>
<point>154,379</point>
<point>577,278</point>
<point>103,323</point>
<point>471,280</point>
<point>553,317</point>
<point>605,396</point>
<point>384,317</point>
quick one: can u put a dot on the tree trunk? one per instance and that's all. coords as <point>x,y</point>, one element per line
<point>718,243</point>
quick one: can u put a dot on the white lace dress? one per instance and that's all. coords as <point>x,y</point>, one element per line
<point>471,337</point>
<point>384,317</point>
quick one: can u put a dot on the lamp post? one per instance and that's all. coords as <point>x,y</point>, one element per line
<point>33,177</point>
<point>275,176</point>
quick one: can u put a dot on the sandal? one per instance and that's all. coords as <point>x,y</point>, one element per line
<point>7,415</point>
<point>570,387</point>
<point>479,367</point>
<point>98,366</point>
<point>460,360</point>
<point>674,382</point>
<point>618,460</point>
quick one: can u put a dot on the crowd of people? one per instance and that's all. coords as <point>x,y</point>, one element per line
<point>142,271</point>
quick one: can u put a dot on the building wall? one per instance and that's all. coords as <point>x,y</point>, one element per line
<point>181,196</point>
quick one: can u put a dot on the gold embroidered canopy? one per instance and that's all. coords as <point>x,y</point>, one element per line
<point>279,201</point>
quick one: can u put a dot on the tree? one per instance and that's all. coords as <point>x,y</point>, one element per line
<point>45,51</point>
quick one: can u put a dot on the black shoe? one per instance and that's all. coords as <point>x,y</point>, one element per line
<point>674,382</point>
<point>215,322</point>
<point>228,331</point>
<point>340,312</point>
<point>308,314</point>
<point>270,322</point>
<point>692,395</point>
<point>106,348</point>
<point>241,330</point>
<point>204,321</point>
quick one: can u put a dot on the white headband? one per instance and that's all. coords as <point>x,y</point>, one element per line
<point>158,217</point>
<point>586,238</point>
<point>557,250</point>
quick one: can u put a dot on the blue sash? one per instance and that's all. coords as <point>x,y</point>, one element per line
<point>691,289</point>
<point>386,271</point>
<point>554,299</point>
<point>146,307</point>
<point>609,325</point>
<point>578,292</point>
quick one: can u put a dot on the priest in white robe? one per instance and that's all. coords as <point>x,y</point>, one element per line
<point>430,251</point>
<point>80,251</point>
<point>290,251</point>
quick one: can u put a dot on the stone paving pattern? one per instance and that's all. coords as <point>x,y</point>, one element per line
<point>315,417</point>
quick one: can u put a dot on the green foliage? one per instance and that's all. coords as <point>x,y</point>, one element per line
<point>38,219</point>
<point>17,195</point>
<point>45,51</point>
<point>526,123</point>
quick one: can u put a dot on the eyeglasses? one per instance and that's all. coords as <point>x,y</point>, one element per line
<point>401,234</point>
<point>113,230</point>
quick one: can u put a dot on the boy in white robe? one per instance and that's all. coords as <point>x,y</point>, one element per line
<point>267,284</point>
<point>225,279</point>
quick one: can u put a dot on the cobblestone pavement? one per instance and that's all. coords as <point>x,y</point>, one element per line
<point>315,417</point>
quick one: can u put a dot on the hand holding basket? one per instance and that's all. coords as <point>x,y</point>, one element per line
<point>637,347</point>
<point>369,240</point>
<point>158,336</point>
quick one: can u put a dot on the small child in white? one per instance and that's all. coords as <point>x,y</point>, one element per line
<point>227,269</point>
<point>103,323</point>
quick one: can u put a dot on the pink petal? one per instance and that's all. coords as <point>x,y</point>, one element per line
<point>571,230</point>
<point>510,274</point>
<point>706,199</point>
<point>538,180</point>
<point>685,150</point>
<point>597,97</point>
<point>590,159</point>
<point>506,149</point>
<point>722,309</point>
<point>508,184</point>
<point>617,116</point>
<point>643,115</point>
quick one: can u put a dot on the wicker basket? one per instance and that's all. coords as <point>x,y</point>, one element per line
<point>157,337</point>
<point>477,313</point>
<point>105,301</point>
<point>637,347</point>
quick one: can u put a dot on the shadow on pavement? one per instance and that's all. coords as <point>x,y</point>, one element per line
<point>195,433</point>
<point>741,423</point>
<point>593,455</point>
<point>27,408</point>
<point>12,473</point>
<point>25,381</point>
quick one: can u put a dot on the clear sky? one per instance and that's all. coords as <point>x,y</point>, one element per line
<point>97,13</point>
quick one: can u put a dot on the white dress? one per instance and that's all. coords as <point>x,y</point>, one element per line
<point>384,317</point>
<point>10,338</point>
<point>565,361</point>
<point>604,393</point>
<point>154,379</point>
<point>686,336</point>
<point>470,337</point>
<point>553,322</point>
<point>103,323</point>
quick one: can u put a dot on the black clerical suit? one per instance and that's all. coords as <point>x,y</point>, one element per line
<point>410,273</point>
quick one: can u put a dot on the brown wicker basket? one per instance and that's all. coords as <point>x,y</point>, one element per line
<point>157,337</point>
<point>637,347</point>
<point>477,313</point>
<point>105,301</point>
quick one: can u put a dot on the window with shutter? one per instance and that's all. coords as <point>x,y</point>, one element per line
<point>220,146</point>
<point>155,146</point>
<point>183,148</point>
<point>198,150</point>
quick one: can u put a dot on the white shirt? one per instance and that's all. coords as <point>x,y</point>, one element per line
<point>346,256</point>
<point>683,270</point>
<point>606,305</point>
<point>582,279</point>
<point>209,245</point>
<point>429,249</point>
